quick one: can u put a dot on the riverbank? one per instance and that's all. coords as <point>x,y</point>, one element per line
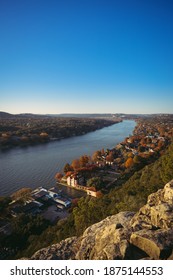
<point>30,132</point>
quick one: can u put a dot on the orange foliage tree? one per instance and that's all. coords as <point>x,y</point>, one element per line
<point>110,157</point>
<point>75,164</point>
<point>58,176</point>
<point>96,155</point>
<point>129,163</point>
<point>84,160</point>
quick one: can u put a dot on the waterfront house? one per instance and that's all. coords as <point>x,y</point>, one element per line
<point>41,194</point>
<point>75,179</point>
<point>93,192</point>
<point>62,201</point>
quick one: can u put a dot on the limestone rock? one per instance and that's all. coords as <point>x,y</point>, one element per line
<point>157,244</point>
<point>158,212</point>
<point>100,240</point>
<point>168,194</point>
<point>64,250</point>
<point>148,234</point>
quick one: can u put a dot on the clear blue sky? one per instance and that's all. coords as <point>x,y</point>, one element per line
<point>86,56</point>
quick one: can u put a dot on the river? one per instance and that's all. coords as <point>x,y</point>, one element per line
<point>37,165</point>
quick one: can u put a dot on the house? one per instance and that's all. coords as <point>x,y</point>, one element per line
<point>62,201</point>
<point>74,180</point>
<point>41,193</point>
<point>93,192</point>
<point>109,162</point>
<point>101,163</point>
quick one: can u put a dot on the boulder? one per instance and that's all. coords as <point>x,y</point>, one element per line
<point>168,194</point>
<point>158,212</point>
<point>156,244</point>
<point>100,241</point>
<point>65,250</point>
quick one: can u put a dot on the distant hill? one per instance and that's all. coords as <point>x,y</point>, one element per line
<point>85,115</point>
<point>114,115</point>
<point>4,115</point>
<point>29,115</point>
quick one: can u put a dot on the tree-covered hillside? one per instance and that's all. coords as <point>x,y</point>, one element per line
<point>130,196</point>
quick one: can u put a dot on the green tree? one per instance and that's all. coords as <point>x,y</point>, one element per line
<point>167,166</point>
<point>95,182</point>
<point>136,159</point>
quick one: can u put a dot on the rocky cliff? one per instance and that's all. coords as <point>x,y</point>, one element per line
<point>147,234</point>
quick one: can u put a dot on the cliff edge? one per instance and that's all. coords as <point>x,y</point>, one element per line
<point>147,234</point>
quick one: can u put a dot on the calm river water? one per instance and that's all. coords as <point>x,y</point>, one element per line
<point>37,165</point>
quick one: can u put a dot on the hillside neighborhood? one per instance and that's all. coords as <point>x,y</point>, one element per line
<point>97,174</point>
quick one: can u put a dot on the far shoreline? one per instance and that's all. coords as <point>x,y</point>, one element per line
<point>46,139</point>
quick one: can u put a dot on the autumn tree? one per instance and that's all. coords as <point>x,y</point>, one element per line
<point>22,194</point>
<point>75,164</point>
<point>110,157</point>
<point>67,168</point>
<point>96,156</point>
<point>84,160</point>
<point>58,176</point>
<point>129,162</point>
<point>130,154</point>
<point>69,173</point>
<point>143,141</point>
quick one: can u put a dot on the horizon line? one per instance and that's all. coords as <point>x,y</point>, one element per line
<point>69,113</point>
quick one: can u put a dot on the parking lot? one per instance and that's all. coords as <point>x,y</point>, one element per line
<point>52,213</point>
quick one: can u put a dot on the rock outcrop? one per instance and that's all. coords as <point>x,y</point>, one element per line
<point>147,234</point>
